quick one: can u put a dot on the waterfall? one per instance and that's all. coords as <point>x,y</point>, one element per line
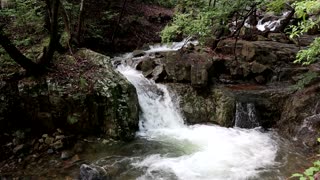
<point>246,115</point>
<point>158,110</point>
<point>198,152</point>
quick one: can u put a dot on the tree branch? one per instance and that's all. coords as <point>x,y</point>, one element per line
<point>17,56</point>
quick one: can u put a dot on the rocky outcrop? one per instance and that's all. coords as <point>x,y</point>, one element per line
<point>300,118</point>
<point>86,95</point>
<point>187,65</point>
<point>264,52</point>
<point>215,106</point>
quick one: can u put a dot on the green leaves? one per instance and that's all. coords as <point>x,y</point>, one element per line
<point>303,9</point>
<point>309,55</point>
<point>198,18</point>
<point>306,7</point>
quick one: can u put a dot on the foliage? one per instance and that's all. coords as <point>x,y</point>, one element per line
<point>198,18</point>
<point>309,173</point>
<point>309,55</point>
<point>276,5</point>
<point>164,3</point>
<point>305,80</point>
<point>303,10</point>
<point>25,18</point>
<point>26,13</point>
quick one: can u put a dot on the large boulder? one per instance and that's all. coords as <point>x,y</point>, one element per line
<point>215,105</point>
<point>183,66</point>
<point>85,95</point>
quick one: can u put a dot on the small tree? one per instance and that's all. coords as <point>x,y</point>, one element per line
<point>29,65</point>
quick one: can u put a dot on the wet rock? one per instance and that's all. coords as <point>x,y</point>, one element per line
<point>224,107</point>
<point>300,116</point>
<point>91,172</point>
<point>198,106</point>
<point>199,75</point>
<point>159,73</point>
<point>145,64</point>
<point>138,53</point>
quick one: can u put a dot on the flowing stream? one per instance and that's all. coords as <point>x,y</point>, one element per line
<point>210,152</point>
<point>168,149</point>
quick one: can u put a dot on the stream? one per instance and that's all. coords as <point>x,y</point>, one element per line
<point>166,148</point>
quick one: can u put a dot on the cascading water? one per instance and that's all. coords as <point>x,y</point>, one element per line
<point>210,152</point>
<point>246,115</point>
<point>168,149</point>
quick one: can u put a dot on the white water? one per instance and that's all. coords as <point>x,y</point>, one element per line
<point>246,115</point>
<point>170,47</point>
<point>209,152</point>
<point>271,25</point>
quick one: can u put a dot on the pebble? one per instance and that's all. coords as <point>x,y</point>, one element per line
<point>105,141</point>
<point>49,140</point>
<point>59,131</point>
<point>65,155</point>
<point>58,144</point>
<point>50,151</point>
<point>41,140</point>
<point>58,137</point>
<point>45,135</point>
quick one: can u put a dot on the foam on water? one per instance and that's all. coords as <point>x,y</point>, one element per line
<point>210,152</point>
<point>170,47</point>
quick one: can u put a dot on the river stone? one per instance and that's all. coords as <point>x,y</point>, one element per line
<point>138,53</point>
<point>92,172</point>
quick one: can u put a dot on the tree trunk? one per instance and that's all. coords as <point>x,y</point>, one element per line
<point>18,57</point>
<point>80,22</point>
<point>119,20</point>
<point>54,37</point>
